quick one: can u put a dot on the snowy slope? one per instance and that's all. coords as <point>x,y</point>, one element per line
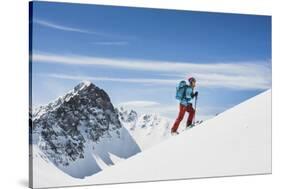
<point>235,142</point>
<point>45,173</point>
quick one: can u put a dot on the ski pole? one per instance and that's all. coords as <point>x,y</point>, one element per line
<point>195,106</point>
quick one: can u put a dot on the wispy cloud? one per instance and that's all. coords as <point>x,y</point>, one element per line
<point>62,27</point>
<point>111,79</point>
<point>238,75</point>
<point>111,43</point>
<point>239,82</point>
<point>235,68</point>
<point>207,81</point>
<point>106,35</point>
<point>59,27</point>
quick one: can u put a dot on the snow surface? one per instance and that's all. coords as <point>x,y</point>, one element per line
<point>236,142</point>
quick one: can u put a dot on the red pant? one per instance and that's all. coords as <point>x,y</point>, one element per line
<point>182,111</point>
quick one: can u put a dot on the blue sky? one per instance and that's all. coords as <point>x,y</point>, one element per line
<point>139,55</point>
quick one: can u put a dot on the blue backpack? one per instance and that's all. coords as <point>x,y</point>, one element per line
<point>181,90</point>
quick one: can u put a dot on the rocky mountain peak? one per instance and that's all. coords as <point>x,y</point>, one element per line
<point>65,125</point>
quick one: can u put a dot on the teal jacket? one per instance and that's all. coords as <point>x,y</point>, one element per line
<point>189,95</point>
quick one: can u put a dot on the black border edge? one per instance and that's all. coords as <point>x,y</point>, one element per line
<point>30,32</point>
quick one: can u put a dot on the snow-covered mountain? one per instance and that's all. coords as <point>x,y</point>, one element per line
<point>236,142</point>
<point>146,129</point>
<point>80,132</point>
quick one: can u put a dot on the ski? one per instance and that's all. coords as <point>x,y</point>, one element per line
<point>195,124</point>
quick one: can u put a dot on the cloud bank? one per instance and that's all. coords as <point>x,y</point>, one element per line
<point>236,75</point>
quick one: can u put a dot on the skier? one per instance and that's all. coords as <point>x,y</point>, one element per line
<point>185,93</point>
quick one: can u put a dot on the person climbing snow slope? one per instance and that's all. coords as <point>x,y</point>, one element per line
<point>185,94</point>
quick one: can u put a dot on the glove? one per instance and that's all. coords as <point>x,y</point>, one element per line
<point>195,94</point>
